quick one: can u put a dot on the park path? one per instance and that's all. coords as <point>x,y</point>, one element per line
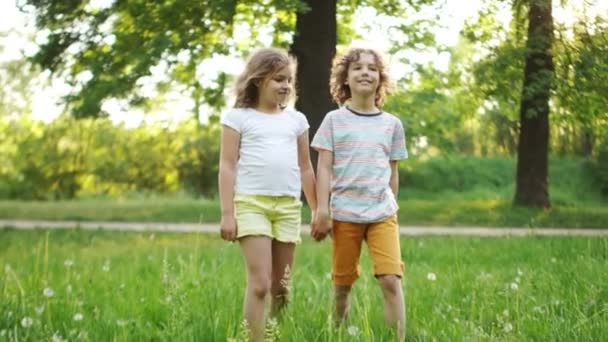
<point>213,228</point>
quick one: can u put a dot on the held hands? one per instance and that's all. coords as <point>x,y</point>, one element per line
<point>228,228</point>
<point>321,225</point>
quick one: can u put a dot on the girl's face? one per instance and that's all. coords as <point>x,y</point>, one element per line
<point>275,89</point>
<point>363,75</point>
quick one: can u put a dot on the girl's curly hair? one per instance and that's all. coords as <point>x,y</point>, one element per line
<point>340,91</point>
<point>261,64</point>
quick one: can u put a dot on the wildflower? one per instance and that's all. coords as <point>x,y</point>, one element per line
<point>57,338</point>
<point>39,310</point>
<point>514,286</point>
<point>520,272</point>
<point>508,327</point>
<point>27,322</point>
<point>78,317</point>
<point>106,266</point>
<point>48,292</point>
<point>352,330</point>
<point>505,313</point>
<point>68,263</point>
<point>431,276</point>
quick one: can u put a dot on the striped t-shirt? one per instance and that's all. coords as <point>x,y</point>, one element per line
<point>362,146</point>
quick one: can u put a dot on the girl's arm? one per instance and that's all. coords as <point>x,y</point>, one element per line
<point>307,173</point>
<point>229,155</point>
<point>394,181</point>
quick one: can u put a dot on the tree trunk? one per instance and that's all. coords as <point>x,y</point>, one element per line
<point>532,158</point>
<point>314,46</point>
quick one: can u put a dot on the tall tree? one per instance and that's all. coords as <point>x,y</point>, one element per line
<point>532,158</point>
<point>314,45</point>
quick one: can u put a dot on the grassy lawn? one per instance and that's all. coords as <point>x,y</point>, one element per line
<point>447,210</point>
<point>99,286</point>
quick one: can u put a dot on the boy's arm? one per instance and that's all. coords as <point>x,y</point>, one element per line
<point>324,171</point>
<point>394,181</point>
<point>307,173</point>
<point>229,154</point>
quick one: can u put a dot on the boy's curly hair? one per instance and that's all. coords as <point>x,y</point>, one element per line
<point>340,91</point>
<point>261,64</point>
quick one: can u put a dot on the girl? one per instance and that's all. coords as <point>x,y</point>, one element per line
<point>264,165</point>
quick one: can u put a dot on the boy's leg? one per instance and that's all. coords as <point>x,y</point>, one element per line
<point>258,260</point>
<point>385,250</point>
<point>282,261</point>
<point>346,248</point>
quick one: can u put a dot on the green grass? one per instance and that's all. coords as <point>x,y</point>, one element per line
<point>189,287</point>
<point>449,209</point>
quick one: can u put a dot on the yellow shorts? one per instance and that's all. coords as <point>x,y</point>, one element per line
<point>278,217</point>
<point>382,241</point>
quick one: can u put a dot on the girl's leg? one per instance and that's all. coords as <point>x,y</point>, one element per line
<point>282,262</point>
<point>258,260</point>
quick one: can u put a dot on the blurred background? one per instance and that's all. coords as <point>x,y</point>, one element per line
<point>106,102</point>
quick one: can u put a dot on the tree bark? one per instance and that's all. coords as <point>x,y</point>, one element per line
<point>532,188</point>
<point>314,46</point>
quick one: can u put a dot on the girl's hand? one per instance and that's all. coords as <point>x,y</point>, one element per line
<point>228,228</point>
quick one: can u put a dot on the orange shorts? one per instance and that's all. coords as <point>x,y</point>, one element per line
<point>382,241</point>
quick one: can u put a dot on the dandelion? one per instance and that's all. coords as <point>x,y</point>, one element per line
<point>68,263</point>
<point>39,310</point>
<point>514,286</point>
<point>2,332</point>
<point>78,317</point>
<point>520,272</point>
<point>505,313</point>
<point>328,275</point>
<point>106,266</point>
<point>431,276</point>
<point>353,330</point>
<point>508,327</point>
<point>48,292</point>
<point>68,288</point>
<point>553,260</point>
<point>27,322</point>
<point>121,322</point>
<point>517,279</point>
<point>57,338</point>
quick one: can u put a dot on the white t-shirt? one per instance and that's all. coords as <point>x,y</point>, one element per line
<point>268,155</point>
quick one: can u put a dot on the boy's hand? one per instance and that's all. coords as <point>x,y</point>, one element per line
<point>321,226</point>
<point>228,227</point>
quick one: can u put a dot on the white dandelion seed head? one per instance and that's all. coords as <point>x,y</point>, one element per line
<point>505,313</point>
<point>78,317</point>
<point>39,309</point>
<point>508,327</point>
<point>68,288</point>
<point>353,330</point>
<point>106,267</point>
<point>57,338</point>
<point>68,263</point>
<point>48,292</point>
<point>520,272</point>
<point>514,286</point>
<point>27,322</point>
<point>431,276</point>
<point>517,279</point>
<point>328,275</point>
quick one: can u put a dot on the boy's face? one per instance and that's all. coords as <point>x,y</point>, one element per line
<point>275,89</point>
<point>363,75</point>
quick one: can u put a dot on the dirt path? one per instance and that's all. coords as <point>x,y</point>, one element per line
<point>213,228</point>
